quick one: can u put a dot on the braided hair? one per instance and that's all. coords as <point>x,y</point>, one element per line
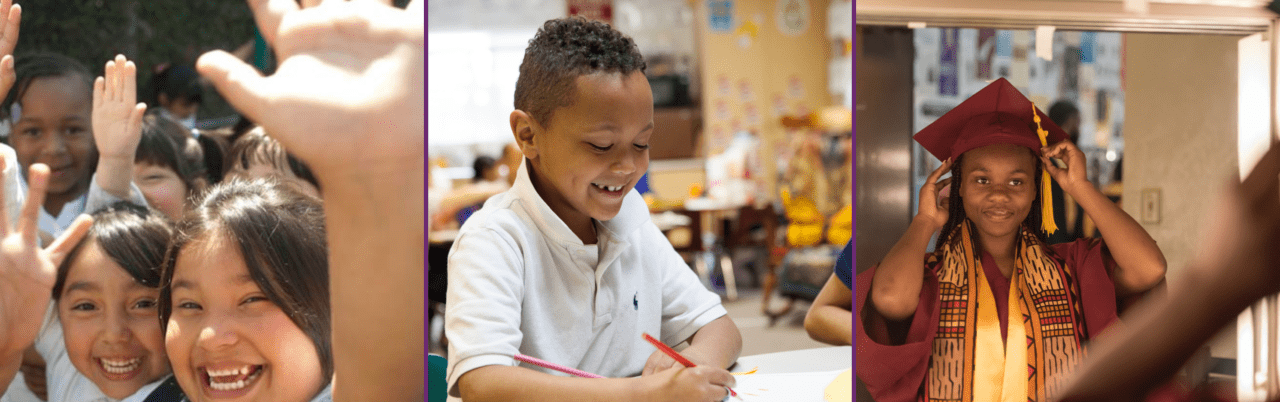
<point>957,216</point>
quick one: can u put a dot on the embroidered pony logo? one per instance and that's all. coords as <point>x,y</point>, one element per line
<point>635,301</point>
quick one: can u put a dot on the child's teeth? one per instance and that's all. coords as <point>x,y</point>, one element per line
<point>233,385</point>
<point>120,366</point>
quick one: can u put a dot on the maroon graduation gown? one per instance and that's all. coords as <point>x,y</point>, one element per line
<point>895,369</point>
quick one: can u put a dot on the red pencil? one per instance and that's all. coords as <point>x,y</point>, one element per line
<point>668,350</point>
<point>675,355</point>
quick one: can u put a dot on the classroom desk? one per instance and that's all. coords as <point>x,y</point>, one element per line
<point>798,361</point>
<point>713,213</point>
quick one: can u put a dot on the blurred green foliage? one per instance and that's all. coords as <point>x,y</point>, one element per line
<point>149,32</point>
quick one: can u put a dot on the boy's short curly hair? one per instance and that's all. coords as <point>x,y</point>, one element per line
<point>562,50</point>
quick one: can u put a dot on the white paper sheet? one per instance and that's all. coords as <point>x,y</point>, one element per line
<point>790,387</point>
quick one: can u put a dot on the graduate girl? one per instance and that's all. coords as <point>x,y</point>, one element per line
<point>994,312</point>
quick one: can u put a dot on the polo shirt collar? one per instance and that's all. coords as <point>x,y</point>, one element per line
<point>630,217</point>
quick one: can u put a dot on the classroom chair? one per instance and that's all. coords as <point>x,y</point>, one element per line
<point>438,387</point>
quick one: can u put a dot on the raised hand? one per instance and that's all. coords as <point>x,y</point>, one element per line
<point>27,272</point>
<point>1075,174</point>
<point>12,14</point>
<point>348,99</point>
<point>347,96</point>
<point>933,210</point>
<point>117,125</point>
<point>117,118</point>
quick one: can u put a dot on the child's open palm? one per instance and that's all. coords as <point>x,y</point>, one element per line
<point>117,117</point>
<point>27,272</point>
<point>349,72</point>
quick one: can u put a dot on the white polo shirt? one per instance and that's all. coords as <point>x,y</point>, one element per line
<point>521,282</point>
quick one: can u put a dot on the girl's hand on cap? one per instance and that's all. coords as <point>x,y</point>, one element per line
<point>1075,174</point>
<point>934,209</point>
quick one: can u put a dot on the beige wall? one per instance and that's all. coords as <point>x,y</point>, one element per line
<point>768,64</point>
<point>1180,137</point>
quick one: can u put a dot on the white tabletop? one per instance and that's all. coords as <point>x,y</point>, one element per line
<point>798,361</point>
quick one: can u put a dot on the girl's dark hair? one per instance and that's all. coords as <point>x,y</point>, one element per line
<point>242,126</point>
<point>257,146</point>
<point>42,65</point>
<point>134,237</point>
<point>166,143</point>
<point>280,234</point>
<point>214,145</point>
<point>956,215</point>
<point>562,50</point>
<point>175,82</point>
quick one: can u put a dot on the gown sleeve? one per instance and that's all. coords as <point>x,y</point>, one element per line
<point>893,357</point>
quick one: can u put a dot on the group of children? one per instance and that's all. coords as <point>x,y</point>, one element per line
<point>163,282</point>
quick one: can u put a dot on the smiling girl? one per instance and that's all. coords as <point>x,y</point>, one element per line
<point>246,300</point>
<point>995,312</point>
<point>105,296</point>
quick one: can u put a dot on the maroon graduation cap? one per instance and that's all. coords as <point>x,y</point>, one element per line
<point>997,114</point>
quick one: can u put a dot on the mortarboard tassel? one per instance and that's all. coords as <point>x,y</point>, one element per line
<point>1046,200</point>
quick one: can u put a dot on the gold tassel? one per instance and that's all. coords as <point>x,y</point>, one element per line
<point>1046,200</point>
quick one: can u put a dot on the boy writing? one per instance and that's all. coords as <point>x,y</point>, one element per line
<point>566,265</point>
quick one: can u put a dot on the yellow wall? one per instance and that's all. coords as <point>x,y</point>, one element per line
<point>670,180</point>
<point>767,65</point>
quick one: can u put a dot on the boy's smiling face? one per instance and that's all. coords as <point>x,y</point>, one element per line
<point>593,151</point>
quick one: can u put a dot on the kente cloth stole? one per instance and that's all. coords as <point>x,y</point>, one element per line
<point>970,362</point>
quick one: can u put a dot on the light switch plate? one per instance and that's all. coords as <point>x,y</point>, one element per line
<point>1151,204</point>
